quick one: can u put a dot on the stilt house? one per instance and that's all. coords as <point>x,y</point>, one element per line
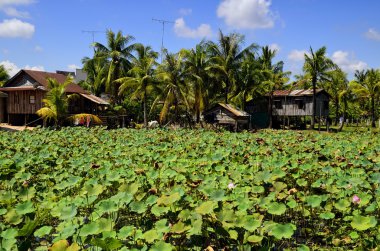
<point>26,90</point>
<point>227,115</point>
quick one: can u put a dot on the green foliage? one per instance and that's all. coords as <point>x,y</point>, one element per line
<point>160,190</point>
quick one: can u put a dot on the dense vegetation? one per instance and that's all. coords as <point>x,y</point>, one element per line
<point>227,70</point>
<point>188,189</point>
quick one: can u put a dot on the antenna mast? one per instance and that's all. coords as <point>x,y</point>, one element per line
<point>163,22</point>
<point>92,33</point>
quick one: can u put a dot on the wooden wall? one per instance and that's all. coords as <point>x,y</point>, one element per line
<point>21,104</point>
<point>2,109</point>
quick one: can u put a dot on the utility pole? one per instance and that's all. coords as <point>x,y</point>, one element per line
<point>163,22</point>
<point>92,33</point>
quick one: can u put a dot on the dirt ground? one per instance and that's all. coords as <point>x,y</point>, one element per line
<point>7,127</point>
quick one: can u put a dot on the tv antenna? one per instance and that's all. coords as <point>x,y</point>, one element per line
<point>92,33</point>
<point>163,22</point>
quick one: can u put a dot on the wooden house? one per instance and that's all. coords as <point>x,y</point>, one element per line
<point>3,100</point>
<point>227,115</point>
<point>295,104</point>
<point>27,89</point>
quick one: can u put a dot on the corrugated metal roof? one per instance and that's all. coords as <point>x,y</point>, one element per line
<point>94,99</point>
<point>294,93</point>
<point>234,110</point>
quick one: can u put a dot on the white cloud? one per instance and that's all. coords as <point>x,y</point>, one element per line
<point>182,30</point>
<point>373,34</point>
<point>73,67</point>
<point>38,48</point>
<point>185,12</point>
<point>35,68</point>
<point>10,11</point>
<point>12,68</point>
<point>297,55</point>
<point>275,47</point>
<point>15,2</point>
<point>348,62</point>
<point>12,28</point>
<point>246,14</point>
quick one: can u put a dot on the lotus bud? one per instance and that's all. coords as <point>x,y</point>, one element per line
<point>25,183</point>
<point>356,199</point>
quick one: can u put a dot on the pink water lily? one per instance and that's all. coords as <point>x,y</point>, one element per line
<point>356,199</point>
<point>231,185</point>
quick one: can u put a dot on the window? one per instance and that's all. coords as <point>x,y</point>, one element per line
<point>300,104</point>
<point>278,104</point>
<point>32,99</point>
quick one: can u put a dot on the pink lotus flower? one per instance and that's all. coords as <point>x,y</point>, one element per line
<point>356,199</point>
<point>231,185</point>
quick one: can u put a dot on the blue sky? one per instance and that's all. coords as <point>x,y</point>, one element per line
<point>47,34</point>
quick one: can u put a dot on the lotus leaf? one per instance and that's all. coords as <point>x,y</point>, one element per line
<point>168,199</point>
<point>362,223</point>
<point>41,232</point>
<point>276,208</point>
<point>281,231</point>
<point>138,207</point>
<point>206,207</point>
<point>10,233</point>
<point>25,208</point>
<point>150,236</point>
<point>161,246</point>
<point>255,238</point>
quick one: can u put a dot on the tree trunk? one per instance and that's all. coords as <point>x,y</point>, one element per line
<point>344,115</point>
<point>145,113</point>
<point>270,110</point>
<point>373,112</point>
<point>336,110</point>
<point>314,82</point>
<point>198,116</point>
<point>226,91</point>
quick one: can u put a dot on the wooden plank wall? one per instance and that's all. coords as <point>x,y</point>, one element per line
<point>2,109</point>
<point>290,106</point>
<point>23,106</point>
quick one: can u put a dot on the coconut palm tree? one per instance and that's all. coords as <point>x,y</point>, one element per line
<point>249,81</point>
<point>141,76</point>
<point>196,62</point>
<point>317,65</point>
<point>226,57</point>
<point>174,90</point>
<point>273,76</point>
<point>56,102</point>
<point>4,76</point>
<point>367,85</point>
<point>119,53</point>
<point>97,71</point>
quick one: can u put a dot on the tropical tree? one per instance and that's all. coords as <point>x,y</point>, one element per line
<point>249,81</point>
<point>367,85</point>
<point>317,65</point>
<point>273,76</point>
<point>56,102</point>
<point>226,58</point>
<point>337,87</point>
<point>196,63</point>
<point>97,72</point>
<point>119,53</point>
<point>4,76</point>
<point>173,90</point>
<point>141,76</point>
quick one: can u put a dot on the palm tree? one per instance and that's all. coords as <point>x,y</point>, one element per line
<point>174,90</point>
<point>249,80</point>
<point>56,102</point>
<point>317,65</point>
<point>273,76</point>
<point>337,87</point>
<point>119,53</point>
<point>196,62</point>
<point>142,76</point>
<point>3,75</point>
<point>226,57</point>
<point>97,71</point>
<point>367,85</point>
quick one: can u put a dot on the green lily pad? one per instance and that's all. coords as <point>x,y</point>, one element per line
<point>41,232</point>
<point>206,208</point>
<point>362,223</point>
<point>138,207</point>
<point>327,215</point>
<point>168,199</point>
<point>255,238</point>
<point>150,236</point>
<point>10,233</point>
<point>25,208</point>
<point>276,208</point>
<point>283,231</point>
<point>314,200</point>
<point>161,246</point>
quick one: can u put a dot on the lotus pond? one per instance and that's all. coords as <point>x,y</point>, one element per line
<point>94,189</point>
